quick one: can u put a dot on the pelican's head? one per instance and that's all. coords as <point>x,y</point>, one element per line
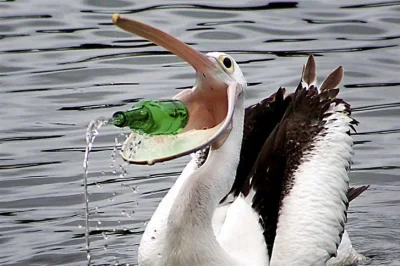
<point>217,92</point>
<point>228,66</point>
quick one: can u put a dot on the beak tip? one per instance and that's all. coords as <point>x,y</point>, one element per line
<point>115,18</point>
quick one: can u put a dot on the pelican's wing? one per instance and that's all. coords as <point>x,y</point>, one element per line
<point>262,118</point>
<point>300,180</point>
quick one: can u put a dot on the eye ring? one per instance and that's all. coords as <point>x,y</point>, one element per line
<point>227,63</point>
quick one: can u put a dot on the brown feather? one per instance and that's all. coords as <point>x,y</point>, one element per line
<point>353,193</point>
<point>309,71</point>
<point>333,80</point>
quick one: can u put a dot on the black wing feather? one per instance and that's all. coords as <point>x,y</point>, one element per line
<point>260,121</point>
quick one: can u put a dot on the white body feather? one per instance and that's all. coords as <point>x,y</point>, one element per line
<point>240,237</point>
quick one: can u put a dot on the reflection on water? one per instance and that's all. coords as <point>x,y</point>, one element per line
<point>63,64</point>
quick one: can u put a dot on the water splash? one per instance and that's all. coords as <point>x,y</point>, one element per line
<point>91,133</point>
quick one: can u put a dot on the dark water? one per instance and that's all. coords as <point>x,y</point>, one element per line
<point>63,63</point>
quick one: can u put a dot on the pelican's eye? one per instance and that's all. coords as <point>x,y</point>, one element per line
<point>226,61</point>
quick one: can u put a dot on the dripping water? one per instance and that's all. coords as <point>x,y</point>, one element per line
<point>91,133</point>
<point>117,169</point>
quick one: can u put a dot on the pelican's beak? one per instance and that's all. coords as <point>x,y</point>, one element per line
<point>211,103</point>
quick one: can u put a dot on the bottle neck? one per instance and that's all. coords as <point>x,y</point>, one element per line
<point>135,118</point>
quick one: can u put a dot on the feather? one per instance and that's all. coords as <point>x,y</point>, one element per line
<point>333,80</point>
<point>309,75</point>
<point>303,117</point>
<point>353,193</point>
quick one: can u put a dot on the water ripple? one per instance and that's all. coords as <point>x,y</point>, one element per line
<point>63,64</point>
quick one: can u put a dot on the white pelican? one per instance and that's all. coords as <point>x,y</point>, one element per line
<point>267,185</point>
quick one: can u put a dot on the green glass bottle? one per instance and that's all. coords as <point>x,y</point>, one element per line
<point>164,117</point>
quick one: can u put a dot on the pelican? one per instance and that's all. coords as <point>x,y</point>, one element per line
<point>266,185</point>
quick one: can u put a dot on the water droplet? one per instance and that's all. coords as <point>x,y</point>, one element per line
<point>123,212</point>
<point>98,222</point>
<point>105,247</point>
<point>103,173</point>
<point>135,189</point>
<point>159,254</point>
<point>153,238</point>
<point>105,236</point>
<point>80,226</point>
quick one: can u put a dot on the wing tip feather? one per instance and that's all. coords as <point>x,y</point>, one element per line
<point>333,80</point>
<point>353,192</point>
<point>309,75</point>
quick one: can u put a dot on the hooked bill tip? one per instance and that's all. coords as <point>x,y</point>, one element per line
<point>115,18</point>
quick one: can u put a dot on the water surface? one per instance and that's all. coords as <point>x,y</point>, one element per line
<point>63,64</point>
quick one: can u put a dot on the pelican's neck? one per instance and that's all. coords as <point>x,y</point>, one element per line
<point>190,236</point>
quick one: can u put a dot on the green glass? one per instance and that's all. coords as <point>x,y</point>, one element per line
<point>164,117</point>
